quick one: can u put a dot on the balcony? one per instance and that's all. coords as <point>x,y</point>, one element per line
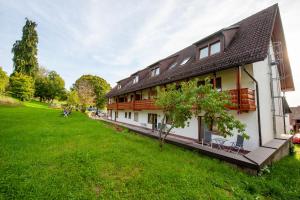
<point>247,102</point>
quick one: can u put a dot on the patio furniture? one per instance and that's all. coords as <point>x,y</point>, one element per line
<point>207,138</point>
<point>220,142</point>
<point>238,145</point>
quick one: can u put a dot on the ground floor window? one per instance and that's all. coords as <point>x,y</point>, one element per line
<point>125,114</point>
<point>136,116</point>
<point>116,114</point>
<point>129,115</point>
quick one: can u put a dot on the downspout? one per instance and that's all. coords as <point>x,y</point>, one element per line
<point>258,105</point>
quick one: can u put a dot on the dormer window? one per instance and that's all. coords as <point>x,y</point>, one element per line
<point>185,61</point>
<point>173,65</point>
<point>215,48</point>
<point>119,86</point>
<point>203,52</point>
<point>136,79</point>
<point>155,72</point>
<point>210,50</point>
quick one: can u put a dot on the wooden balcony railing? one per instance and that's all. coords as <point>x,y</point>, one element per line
<point>246,102</point>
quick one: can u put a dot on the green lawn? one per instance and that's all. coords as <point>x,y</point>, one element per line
<point>46,156</point>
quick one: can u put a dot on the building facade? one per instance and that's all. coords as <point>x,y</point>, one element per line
<point>249,59</point>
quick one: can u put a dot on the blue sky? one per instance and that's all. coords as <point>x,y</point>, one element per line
<point>113,39</point>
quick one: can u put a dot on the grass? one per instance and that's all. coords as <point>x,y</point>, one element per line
<point>46,156</point>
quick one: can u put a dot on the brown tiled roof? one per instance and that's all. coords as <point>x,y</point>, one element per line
<point>249,44</point>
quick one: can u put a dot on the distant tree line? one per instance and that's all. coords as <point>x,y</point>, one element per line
<point>29,80</point>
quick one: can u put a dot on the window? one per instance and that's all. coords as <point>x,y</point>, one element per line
<point>152,118</point>
<point>119,86</point>
<point>136,79</point>
<point>218,85</point>
<point>215,48</point>
<point>155,72</point>
<point>129,115</point>
<point>168,120</point>
<point>203,53</point>
<point>125,114</point>
<point>173,65</point>
<point>136,116</point>
<point>185,61</point>
<point>116,114</point>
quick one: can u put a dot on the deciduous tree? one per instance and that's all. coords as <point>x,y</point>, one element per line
<point>180,104</point>
<point>21,86</point>
<point>3,80</point>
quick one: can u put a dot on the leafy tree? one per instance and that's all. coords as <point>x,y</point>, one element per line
<point>49,85</point>
<point>86,93</point>
<point>180,104</point>
<point>3,80</point>
<point>21,86</point>
<point>73,99</point>
<point>25,50</point>
<point>91,90</point>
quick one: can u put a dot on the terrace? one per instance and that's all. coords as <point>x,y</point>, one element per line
<point>251,162</point>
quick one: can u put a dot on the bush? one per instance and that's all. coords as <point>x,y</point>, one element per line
<point>21,86</point>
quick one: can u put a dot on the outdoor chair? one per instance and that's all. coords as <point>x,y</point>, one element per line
<point>207,138</point>
<point>238,145</point>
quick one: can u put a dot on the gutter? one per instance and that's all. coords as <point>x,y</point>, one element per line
<point>258,105</point>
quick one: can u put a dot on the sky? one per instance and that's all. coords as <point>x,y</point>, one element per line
<point>113,39</point>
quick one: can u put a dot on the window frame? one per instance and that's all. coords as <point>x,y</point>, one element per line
<point>155,71</point>
<point>210,45</point>
<point>129,115</point>
<point>135,79</point>
<point>204,47</point>
<point>125,114</point>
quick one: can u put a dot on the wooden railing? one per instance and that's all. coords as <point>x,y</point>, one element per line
<point>243,102</point>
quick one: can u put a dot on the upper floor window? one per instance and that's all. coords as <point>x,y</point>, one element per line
<point>155,72</point>
<point>215,48</point>
<point>119,86</point>
<point>203,52</point>
<point>136,79</point>
<point>212,49</point>
<point>173,65</point>
<point>185,61</point>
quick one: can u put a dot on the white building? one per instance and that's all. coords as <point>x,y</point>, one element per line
<point>248,58</point>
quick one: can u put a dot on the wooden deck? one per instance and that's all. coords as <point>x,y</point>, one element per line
<point>251,162</point>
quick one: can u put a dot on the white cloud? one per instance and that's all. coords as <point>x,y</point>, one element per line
<point>115,38</point>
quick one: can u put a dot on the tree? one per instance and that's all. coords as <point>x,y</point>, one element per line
<point>91,90</point>
<point>73,99</point>
<point>21,86</point>
<point>49,85</point>
<point>180,104</point>
<point>86,93</point>
<point>25,50</point>
<point>3,80</point>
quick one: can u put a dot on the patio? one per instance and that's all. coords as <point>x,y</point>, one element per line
<point>250,162</point>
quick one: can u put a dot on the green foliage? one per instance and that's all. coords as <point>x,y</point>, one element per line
<point>21,86</point>
<point>3,80</point>
<point>49,86</point>
<point>91,90</point>
<point>180,103</point>
<point>25,50</point>
<point>44,155</point>
<point>73,99</point>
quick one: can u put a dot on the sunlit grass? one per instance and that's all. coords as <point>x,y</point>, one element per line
<point>46,156</point>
